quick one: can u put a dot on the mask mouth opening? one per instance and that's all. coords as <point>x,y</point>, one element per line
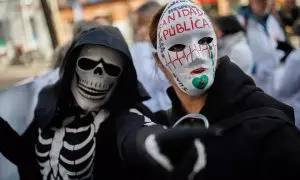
<point>91,93</point>
<point>198,71</point>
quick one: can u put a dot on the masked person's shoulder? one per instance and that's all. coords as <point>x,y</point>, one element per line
<point>136,116</point>
<point>46,102</point>
<point>137,109</point>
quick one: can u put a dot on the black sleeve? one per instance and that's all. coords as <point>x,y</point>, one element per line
<point>9,142</point>
<point>281,154</point>
<point>129,128</point>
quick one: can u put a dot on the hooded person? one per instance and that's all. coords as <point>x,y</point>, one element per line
<point>19,102</point>
<point>288,87</point>
<point>221,125</point>
<point>72,135</point>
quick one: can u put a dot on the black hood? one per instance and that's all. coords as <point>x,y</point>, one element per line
<point>128,91</point>
<point>232,92</point>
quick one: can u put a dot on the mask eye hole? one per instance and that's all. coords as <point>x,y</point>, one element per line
<point>177,48</point>
<point>86,64</point>
<point>112,70</point>
<point>205,41</point>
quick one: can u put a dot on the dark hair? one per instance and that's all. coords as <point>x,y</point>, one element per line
<point>148,7</point>
<point>154,26</point>
<point>228,25</point>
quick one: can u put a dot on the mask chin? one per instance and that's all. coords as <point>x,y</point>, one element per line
<point>87,102</point>
<point>82,99</point>
<point>197,85</point>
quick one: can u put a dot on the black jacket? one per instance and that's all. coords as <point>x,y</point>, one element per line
<point>56,102</point>
<point>259,148</point>
<point>262,147</point>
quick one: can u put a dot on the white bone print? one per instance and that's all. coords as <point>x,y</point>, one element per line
<point>56,154</point>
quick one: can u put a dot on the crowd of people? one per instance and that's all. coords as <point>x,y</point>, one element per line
<point>194,97</point>
<point>255,39</point>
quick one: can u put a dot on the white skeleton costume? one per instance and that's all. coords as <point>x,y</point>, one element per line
<point>68,152</point>
<point>73,133</point>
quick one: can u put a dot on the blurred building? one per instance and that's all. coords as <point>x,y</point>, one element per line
<point>225,7</point>
<point>23,29</point>
<point>220,7</point>
<point>118,12</point>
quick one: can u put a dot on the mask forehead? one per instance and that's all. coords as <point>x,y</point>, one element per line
<point>95,53</point>
<point>183,21</point>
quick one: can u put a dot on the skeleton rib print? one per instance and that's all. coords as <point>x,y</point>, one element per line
<point>68,153</point>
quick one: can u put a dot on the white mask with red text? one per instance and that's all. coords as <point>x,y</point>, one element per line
<point>186,46</point>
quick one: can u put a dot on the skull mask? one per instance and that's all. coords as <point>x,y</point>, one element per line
<point>98,69</point>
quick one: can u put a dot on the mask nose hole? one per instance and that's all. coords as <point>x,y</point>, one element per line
<point>98,71</point>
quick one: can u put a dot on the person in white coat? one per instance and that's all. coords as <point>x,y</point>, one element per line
<point>288,89</point>
<point>263,31</point>
<point>232,42</point>
<point>149,75</point>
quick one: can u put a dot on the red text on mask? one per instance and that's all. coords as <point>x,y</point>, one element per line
<point>185,26</point>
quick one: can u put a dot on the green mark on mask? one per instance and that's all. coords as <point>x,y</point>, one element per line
<point>211,56</point>
<point>200,83</point>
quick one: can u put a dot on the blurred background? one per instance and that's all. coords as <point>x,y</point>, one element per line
<point>31,30</point>
<point>261,36</point>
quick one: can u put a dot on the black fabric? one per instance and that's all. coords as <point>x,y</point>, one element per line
<point>261,145</point>
<point>128,132</point>
<point>10,143</point>
<point>128,128</point>
<point>175,143</point>
<point>232,122</point>
<point>56,102</point>
<point>232,92</point>
<point>286,47</point>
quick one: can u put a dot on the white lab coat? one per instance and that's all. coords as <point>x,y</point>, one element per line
<point>150,76</point>
<point>288,89</point>
<point>263,46</point>
<point>17,108</point>
<point>236,47</point>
